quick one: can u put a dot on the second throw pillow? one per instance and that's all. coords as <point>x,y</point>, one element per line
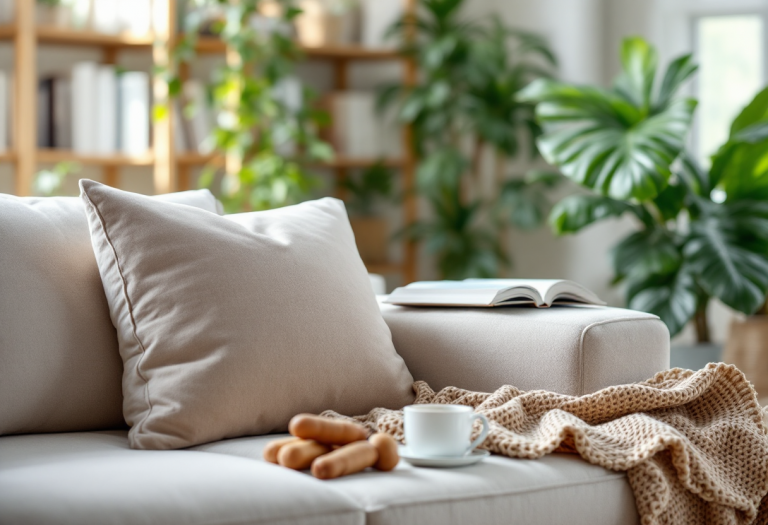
<point>228,326</point>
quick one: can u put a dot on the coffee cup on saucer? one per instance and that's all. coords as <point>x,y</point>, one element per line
<point>439,435</point>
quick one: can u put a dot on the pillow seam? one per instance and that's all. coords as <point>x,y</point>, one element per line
<point>103,223</point>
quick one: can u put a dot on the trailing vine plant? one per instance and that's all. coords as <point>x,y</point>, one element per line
<point>267,143</point>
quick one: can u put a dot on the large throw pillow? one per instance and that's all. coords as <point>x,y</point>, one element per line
<point>229,326</point>
<point>60,369</point>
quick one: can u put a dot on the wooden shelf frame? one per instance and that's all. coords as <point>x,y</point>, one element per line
<point>171,168</point>
<point>214,46</point>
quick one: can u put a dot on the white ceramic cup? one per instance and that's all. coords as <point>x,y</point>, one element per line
<point>442,430</point>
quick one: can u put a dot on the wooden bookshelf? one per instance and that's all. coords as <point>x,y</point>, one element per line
<point>171,168</point>
<point>70,37</point>
<point>54,156</point>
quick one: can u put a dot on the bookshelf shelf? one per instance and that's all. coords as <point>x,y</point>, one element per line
<point>54,156</point>
<point>212,45</point>
<point>198,159</point>
<point>56,35</point>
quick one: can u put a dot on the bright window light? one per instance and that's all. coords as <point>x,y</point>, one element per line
<point>730,55</point>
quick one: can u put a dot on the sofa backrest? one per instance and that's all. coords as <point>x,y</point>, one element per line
<point>60,369</point>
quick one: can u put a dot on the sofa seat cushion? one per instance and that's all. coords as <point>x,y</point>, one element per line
<point>557,489</point>
<point>89,478</point>
<point>573,350</point>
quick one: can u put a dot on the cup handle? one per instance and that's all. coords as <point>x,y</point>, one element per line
<point>483,433</point>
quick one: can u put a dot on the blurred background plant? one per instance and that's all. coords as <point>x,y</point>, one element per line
<point>370,187</point>
<point>463,105</point>
<point>702,234</point>
<point>267,134</point>
<point>50,182</point>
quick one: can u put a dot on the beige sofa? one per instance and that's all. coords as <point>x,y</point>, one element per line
<point>94,477</point>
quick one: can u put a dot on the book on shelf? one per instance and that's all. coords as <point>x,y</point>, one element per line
<point>134,111</point>
<point>84,108</point>
<point>44,112</point>
<point>53,117</point>
<point>106,114</point>
<point>541,293</point>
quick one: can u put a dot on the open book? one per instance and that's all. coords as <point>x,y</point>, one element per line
<point>541,293</point>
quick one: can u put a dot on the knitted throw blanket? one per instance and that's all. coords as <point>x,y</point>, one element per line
<point>693,444</point>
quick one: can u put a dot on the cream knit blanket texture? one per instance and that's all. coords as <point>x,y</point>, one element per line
<point>693,444</point>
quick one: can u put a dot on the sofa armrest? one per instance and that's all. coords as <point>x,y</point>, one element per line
<point>572,350</point>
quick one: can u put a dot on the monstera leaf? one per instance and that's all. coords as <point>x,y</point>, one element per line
<point>619,142</point>
<point>646,253</point>
<point>673,297</point>
<point>741,165</point>
<point>727,250</point>
<point>578,211</point>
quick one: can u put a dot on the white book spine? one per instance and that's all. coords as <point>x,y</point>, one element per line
<point>84,108</point>
<point>134,113</point>
<point>377,17</point>
<point>106,113</point>
<point>4,106</point>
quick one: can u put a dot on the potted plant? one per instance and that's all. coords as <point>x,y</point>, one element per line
<point>371,231</point>
<point>463,106</point>
<point>267,139</point>
<point>701,234</point>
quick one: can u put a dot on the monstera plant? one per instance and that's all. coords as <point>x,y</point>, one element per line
<point>701,234</point>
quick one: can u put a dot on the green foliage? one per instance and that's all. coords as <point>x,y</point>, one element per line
<point>267,143</point>
<point>374,183</point>
<point>465,102</point>
<point>48,183</point>
<point>619,142</point>
<point>690,247</point>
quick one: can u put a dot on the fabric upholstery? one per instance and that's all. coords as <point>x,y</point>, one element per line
<point>557,489</point>
<point>571,350</point>
<point>230,326</point>
<point>59,365</point>
<point>95,478</point>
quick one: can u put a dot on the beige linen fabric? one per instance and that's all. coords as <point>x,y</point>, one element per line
<point>59,364</point>
<point>572,350</point>
<point>94,478</point>
<point>693,444</point>
<point>497,491</point>
<point>229,326</point>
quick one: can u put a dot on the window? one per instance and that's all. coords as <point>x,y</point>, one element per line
<point>731,59</point>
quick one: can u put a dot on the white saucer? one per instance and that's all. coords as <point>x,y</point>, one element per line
<point>443,462</point>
